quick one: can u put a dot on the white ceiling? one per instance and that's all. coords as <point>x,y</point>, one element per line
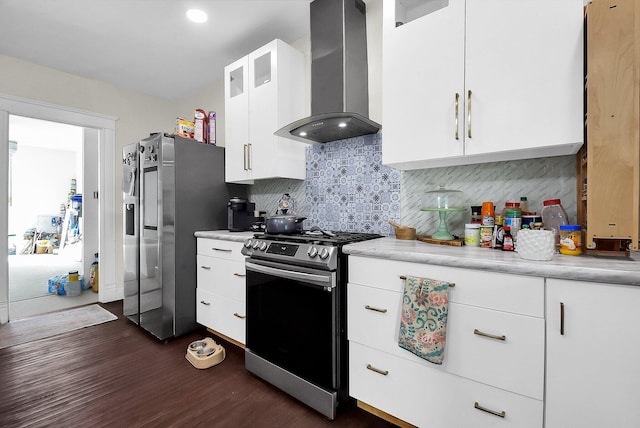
<point>146,45</point>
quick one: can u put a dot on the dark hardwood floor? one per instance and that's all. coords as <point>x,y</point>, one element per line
<point>116,375</point>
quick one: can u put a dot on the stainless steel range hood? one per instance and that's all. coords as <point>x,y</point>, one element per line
<point>339,83</point>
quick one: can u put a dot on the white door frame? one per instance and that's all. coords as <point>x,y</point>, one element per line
<point>105,125</point>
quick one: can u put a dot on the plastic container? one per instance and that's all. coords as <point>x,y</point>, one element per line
<point>553,216</point>
<point>73,275</point>
<point>472,234</point>
<point>73,288</point>
<point>513,219</point>
<point>570,239</point>
<point>488,214</point>
<point>510,206</point>
<point>93,274</point>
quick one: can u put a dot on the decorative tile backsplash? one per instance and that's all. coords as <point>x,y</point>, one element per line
<point>348,189</point>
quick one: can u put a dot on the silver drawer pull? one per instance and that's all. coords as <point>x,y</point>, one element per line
<point>224,250</point>
<point>371,308</point>
<point>206,267</point>
<point>492,336</point>
<point>451,284</point>
<point>241,275</point>
<point>205,303</point>
<point>235,314</point>
<point>501,414</point>
<point>373,369</point>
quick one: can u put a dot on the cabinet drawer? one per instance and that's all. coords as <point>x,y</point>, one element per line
<point>221,249</point>
<point>504,292</point>
<point>223,277</point>
<point>221,314</point>
<point>431,398</point>
<point>515,364</point>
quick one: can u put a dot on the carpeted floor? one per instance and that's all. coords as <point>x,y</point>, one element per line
<point>48,325</point>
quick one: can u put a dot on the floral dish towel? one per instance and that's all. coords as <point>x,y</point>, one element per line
<point>423,325</point>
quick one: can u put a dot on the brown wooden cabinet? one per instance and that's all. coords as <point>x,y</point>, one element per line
<point>612,126</point>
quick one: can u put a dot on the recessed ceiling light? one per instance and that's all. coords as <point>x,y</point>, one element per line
<point>303,134</point>
<point>342,124</point>
<point>197,15</point>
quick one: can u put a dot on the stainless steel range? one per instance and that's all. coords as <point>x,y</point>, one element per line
<point>297,314</point>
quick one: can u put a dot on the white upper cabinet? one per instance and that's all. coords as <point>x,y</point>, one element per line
<point>263,92</point>
<point>478,81</point>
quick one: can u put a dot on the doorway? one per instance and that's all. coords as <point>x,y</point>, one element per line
<point>98,128</point>
<point>48,168</point>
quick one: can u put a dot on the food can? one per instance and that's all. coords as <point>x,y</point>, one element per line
<point>486,236</point>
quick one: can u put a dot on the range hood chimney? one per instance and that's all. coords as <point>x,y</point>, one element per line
<point>339,83</point>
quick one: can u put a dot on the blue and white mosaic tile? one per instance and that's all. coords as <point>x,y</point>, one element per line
<point>348,189</point>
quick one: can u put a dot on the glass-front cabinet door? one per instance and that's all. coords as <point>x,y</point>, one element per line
<point>237,148</point>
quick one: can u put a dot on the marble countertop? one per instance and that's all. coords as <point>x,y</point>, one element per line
<point>224,235</point>
<point>614,270</point>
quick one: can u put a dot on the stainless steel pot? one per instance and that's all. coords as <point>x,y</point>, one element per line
<point>284,224</point>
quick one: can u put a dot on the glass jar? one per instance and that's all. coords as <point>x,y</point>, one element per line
<point>553,216</point>
<point>570,239</point>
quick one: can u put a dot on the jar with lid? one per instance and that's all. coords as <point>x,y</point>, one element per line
<point>510,206</point>
<point>570,239</point>
<point>472,234</point>
<point>524,205</point>
<point>513,219</point>
<point>553,216</point>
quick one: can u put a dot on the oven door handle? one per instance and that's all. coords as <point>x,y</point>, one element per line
<point>321,280</point>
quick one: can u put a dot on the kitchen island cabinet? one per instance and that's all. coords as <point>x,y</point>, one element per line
<point>593,350</point>
<point>481,81</point>
<point>263,92</point>
<point>220,293</point>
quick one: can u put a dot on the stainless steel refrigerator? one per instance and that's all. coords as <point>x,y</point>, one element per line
<point>172,187</point>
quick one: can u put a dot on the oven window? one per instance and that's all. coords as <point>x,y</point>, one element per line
<point>292,324</point>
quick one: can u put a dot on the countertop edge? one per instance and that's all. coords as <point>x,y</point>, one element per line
<point>224,235</point>
<point>561,267</point>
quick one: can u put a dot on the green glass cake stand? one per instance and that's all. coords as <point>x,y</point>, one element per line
<point>443,233</point>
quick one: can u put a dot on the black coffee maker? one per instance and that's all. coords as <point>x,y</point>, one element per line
<point>240,214</point>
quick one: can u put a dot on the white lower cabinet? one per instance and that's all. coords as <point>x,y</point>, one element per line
<point>431,398</point>
<point>593,355</point>
<point>493,370</point>
<point>220,303</point>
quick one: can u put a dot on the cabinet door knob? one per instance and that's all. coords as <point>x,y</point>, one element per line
<point>491,336</point>
<point>205,303</point>
<point>501,414</point>
<point>237,315</point>
<point>241,275</point>
<point>206,267</point>
<point>379,371</point>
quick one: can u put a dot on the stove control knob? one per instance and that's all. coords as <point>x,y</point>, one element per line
<point>256,244</point>
<point>263,246</point>
<point>324,253</point>
<point>312,252</point>
<point>247,243</point>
